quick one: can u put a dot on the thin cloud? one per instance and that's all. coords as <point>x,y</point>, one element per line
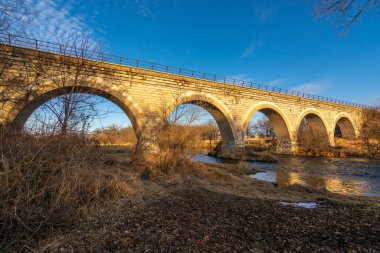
<point>314,87</point>
<point>248,51</point>
<point>144,8</point>
<point>241,77</point>
<point>263,14</point>
<point>252,47</point>
<point>277,81</point>
<point>53,20</point>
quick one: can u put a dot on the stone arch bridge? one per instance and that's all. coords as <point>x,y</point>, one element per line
<point>139,89</point>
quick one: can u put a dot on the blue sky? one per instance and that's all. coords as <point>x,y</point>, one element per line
<point>272,42</point>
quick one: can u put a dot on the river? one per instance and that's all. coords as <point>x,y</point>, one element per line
<point>348,176</point>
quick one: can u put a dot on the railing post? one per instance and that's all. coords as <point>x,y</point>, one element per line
<point>36,44</point>
<point>10,39</point>
<point>137,63</point>
<point>180,71</point>
<point>120,60</point>
<point>204,75</point>
<point>257,86</point>
<point>192,73</point>
<point>167,68</point>
<point>152,66</point>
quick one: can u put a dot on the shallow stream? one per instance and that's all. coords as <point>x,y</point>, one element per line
<point>349,176</point>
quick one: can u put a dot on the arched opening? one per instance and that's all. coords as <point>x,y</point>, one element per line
<point>344,134</point>
<point>312,133</point>
<point>81,110</point>
<point>197,119</point>
<point>344,129</point>
<point>267,129</point>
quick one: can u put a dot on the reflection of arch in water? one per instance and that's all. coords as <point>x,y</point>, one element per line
<point>217,110</point>
<point>290,178</point>
<point>317,124</point>
<point>350,187</point>
<point>346,126</point>
<point>276,116</point>
<point>125,103</point>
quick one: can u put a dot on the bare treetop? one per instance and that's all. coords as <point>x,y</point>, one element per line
<point>345,12</point>
<point>13,13</point>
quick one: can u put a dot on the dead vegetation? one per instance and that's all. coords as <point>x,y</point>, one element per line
<point>63,195</point>
<point>46,182</point>
<point>371,132</point>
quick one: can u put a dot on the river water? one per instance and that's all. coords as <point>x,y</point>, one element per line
<point>349,176</point>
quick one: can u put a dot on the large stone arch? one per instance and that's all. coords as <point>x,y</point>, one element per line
<point>231,139</point>
<point>347,126</point>
<point>318,123</point>
<point>19,114</point>
<point>277,117</point>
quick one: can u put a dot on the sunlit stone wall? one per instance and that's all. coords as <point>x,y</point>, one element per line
<point>141,94</point>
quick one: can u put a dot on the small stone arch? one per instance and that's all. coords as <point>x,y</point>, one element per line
<point>318,124</point>
<point>20,114</point>
<point>219,112</point>
<point>347,126</point>
<point>276,116</point>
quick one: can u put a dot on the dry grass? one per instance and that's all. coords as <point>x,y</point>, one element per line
<point>47,182</point>
<point>48,186</point>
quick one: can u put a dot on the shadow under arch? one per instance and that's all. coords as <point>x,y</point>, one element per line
<point>133,112</point>
<point>317,124</point>
<point>276,116</point>
<point>218,111</point>
<point>346,126</point>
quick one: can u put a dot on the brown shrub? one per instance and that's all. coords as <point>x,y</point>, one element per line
<point>47,182</point>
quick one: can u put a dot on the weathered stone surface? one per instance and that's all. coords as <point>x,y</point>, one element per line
<point>141,92</point>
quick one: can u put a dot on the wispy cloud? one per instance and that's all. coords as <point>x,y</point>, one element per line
<point>241,77</point>
<point>54,19</point>
<point>263,14</point>
<point>313,87</point>
<point>277,81</point>
<point>252,47</point>
<point>248,51</point>
<point>145,8</point>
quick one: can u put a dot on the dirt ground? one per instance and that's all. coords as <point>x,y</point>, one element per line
<point>218,208</point>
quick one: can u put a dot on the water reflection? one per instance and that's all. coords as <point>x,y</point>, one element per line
<point>345,186</point>
<point>343,176</point>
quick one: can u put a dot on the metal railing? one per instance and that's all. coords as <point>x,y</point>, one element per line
<point>29,43</point>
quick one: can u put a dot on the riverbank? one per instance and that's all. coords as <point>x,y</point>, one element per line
<point>202,207</point>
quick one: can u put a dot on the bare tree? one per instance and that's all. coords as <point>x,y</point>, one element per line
<point>211,133</point>
<point>308,139</point>
<point>262,128</point>
<point>371,132</point>
<point>12,14</point>
<point>75,106</point>
<point>345,12</point>
<point>176,111</point>
<point>175,124</point>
